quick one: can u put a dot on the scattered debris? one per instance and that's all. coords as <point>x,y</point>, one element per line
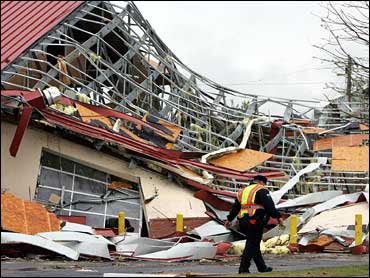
<point>106,119</point>
<point>11,240</point>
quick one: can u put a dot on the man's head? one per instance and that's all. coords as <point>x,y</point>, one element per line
<point>260,179</point>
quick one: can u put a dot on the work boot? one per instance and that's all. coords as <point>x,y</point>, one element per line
<point>267,269</point>
<point>243,271</point>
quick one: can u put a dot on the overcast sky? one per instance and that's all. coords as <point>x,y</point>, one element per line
<point>255,47</point>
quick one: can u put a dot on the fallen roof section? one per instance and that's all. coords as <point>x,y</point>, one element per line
<point>85,244</point>
<point>184,251</point>
<point>311,198</point>
<point>40,242</point>
<point>341,217</point>
<point>23,23</point>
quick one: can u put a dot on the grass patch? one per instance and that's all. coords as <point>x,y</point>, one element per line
<point>343,271</point>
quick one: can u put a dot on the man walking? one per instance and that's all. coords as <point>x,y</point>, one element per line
<point>253,207</point>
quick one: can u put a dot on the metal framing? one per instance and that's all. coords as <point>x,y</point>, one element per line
<point>113,55</point>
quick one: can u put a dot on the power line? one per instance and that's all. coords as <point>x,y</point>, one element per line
<point>283,83</point>
<point>290,73</point>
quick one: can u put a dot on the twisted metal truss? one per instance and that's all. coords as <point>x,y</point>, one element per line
<point>113,55</point>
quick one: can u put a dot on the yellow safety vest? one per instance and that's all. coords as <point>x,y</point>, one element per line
<point>246,198</point>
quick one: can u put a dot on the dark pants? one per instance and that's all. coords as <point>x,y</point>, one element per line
<point>252,246</point>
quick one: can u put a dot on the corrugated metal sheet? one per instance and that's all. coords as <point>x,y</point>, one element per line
<point>24,22</point>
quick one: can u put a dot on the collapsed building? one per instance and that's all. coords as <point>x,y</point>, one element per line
<point>99,116</point>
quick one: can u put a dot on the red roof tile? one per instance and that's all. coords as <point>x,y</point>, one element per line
<point>24,22</point>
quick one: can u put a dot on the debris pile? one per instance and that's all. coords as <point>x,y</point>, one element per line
<point>106,119</point>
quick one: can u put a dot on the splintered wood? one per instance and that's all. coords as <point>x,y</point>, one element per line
<point>339,141</point>
<point>350,158</point>
<point>26,217</point>
<point>242,160</point>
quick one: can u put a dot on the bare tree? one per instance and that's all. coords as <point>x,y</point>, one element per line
<point>347,45</point>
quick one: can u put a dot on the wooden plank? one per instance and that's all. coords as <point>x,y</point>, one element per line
<point>350,158</point>
<point>242,160</point>
<point>364,127</point>
<point>339,141</point>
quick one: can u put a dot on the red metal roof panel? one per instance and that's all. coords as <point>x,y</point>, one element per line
<point>24,22</point>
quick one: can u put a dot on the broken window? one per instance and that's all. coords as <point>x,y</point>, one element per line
<point>70,188</point>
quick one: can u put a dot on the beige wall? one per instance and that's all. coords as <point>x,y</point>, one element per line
<point>19,174</point>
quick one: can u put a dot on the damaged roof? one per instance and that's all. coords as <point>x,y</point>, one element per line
<point>24,22</point>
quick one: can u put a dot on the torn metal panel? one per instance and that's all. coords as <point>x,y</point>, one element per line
<point>220,217</point>
<point>338,217</point>
<point>355,158</point>
<point>86,244</point>
<point>210,229</point>
<point>312,198</point>
<point>74,227</point>
<point>40,242</point>
<point>276,195</point>
<point>354,197</point>
<point>184,251</point>
<point>135,246</point>
<point>336,201</point>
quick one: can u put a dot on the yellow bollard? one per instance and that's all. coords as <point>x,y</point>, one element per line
<point>179,223</point>
<point>358,229</point>
<point>293,229</point>
<point>121,223</point>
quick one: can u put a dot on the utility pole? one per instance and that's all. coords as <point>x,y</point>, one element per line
<point>349,80</point>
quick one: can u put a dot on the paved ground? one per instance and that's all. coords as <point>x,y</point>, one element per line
<point>59,268</point>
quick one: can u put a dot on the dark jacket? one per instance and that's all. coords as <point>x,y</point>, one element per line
<point>262,198</point>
